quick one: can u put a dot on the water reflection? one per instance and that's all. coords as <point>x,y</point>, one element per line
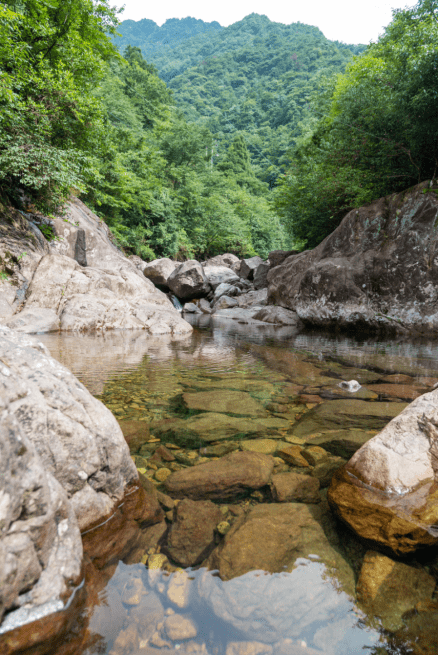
<point>293,380</point>
<point>298,612</point>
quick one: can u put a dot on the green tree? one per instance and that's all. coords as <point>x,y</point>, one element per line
<point>51,57</point>
<point>377,131</point>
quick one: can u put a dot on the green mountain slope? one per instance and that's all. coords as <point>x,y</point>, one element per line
<point>253,77</point>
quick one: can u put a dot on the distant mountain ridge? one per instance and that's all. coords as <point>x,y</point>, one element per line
<point>254,76</point>
<point>151,38</point>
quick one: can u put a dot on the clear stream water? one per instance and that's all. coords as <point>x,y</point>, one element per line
<point>309,608</point>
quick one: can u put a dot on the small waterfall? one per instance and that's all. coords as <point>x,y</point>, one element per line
<point>176,302</point>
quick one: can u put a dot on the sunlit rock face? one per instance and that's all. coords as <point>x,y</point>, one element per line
<point>387,491</point>
<point>377,271</point>
<point>79,281</point>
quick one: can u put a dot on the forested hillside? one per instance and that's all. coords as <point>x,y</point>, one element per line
<point>253,77</point>
<point>184,168</point>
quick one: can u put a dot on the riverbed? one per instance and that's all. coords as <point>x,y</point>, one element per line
<point>230,387</point>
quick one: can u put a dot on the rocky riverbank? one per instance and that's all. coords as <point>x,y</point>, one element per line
<point>377,272</point>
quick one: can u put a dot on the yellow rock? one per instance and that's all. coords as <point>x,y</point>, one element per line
<point>259,446</point>
<point>223,528</point>
<point>162,473</point>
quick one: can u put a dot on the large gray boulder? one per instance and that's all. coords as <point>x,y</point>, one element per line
<point>40,541</point>
<point>78,281</point>
<point>189,281</point>
<point>248,267</point>
<point>217,275</point>
<point>376,271</point>
<point>88,298</point>
<point>261,275</point>
<point>226,260</point>
<point>158,271</point>
<point>76,437</point>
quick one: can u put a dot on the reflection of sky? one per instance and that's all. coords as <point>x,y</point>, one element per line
<point>305,606</point>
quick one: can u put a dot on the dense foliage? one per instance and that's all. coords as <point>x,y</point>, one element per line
<point>253,77</point>
<point>374,129</point>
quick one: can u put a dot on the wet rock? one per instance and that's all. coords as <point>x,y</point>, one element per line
<point>290,530</point>
<point>147,614</point>
<point>293,455</point>
<point>152,536</point>
<point>261,275</point>
<point>225,478</point>
<point>279,316</point>
<point>162,474</point>
<point>127,642</point>
<point>158,271</point>
<point>386,520</point>
<point>219,450</point>
<point>405,392</point>
<point>388,589</point>
<point>224,401</point>
<point>242,315</point>
<point>364,415</point>
<point>77,438</point>
<point>217,275</point>
<point>191,536</point>
<point>133,592</point>
<point>242,648</point>
<point>314,455</point>
<point>290,486</point>
<point>188,280</point>
<point>260,446</point>
<point>357,276</point>
<point>325,468</point>
<point>249,266</point>
<point>343,443</point>
<point>178,589</point>
<point>136,433</point>
<point>179,627</point>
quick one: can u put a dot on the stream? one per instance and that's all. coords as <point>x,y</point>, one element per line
<point>230,387</point>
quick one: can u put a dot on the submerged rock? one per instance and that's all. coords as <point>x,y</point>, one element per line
<point>388,589</point>
<point>225,478</point>
<point>191,535</point>
<point>356,278</point>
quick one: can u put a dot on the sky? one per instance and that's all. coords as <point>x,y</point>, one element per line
<point>349,21</point>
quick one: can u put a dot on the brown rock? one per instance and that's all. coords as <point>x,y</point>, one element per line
<point>389,589</point>
<point>293,456</point>
<point>290,486</point>
<point>191,536</point>
<point>136,433</point>
<point>224,401</point>
<point>179,627</point>
<point>406,392</point>
<point>325,468</point>
<point>378,517</point>
<point>225,478</point>
<point>314,455</point>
